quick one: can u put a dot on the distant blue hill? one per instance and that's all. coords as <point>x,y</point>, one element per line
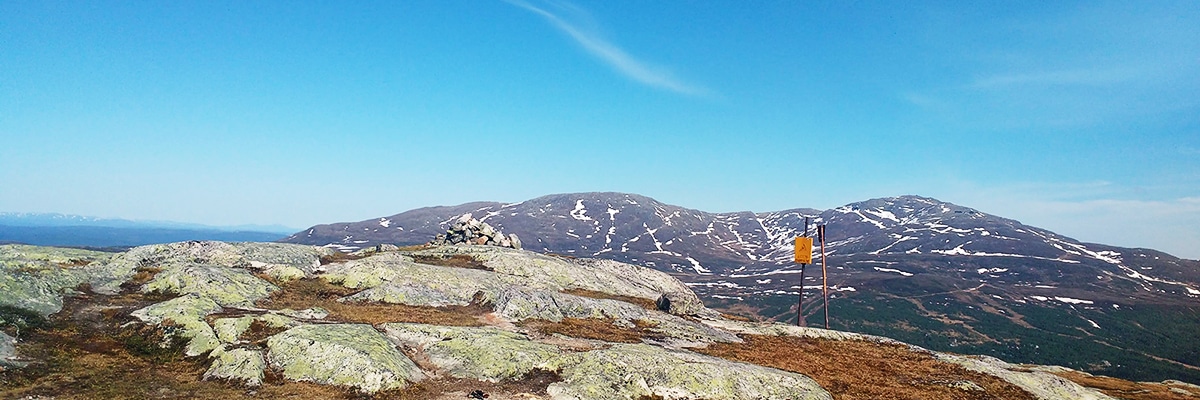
<point>81,231</point>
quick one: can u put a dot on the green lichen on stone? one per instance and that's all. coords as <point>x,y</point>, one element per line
<point>187,314</point>
<point>228,330</point>
<point>520,304</point>
<point>229,287</point>
<point>524,268</point>
<point>285,258</point>
<point>243,365</point>
<point>344,354</point>
<point>395,278</point>
<point>1043,385</point>
<point>285,273</point>
<point>630,371</point>
<point>35,277</point>
<point>487,354</point>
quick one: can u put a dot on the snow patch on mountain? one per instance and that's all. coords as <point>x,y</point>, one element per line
<point>892,270</point>
<point>580,212</point>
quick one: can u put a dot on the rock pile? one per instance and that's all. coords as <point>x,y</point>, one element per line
<point>471,230</point>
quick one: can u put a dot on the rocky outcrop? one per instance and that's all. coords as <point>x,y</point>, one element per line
<point>1043,385</point>
<point>222,278</point>
<point>620,372</point>
<point>229,287</point>
<point>34,278</point>
<point>230,330</point>
<point>471,231</point>
<point>487,354</point>
<point>8,352</point>
<point>242,365</point>
<point>627,371</point>
<point>184,316</point>
<point>528,269</point>
<point>345,355</point>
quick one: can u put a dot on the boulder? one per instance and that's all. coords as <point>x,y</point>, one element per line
<point>352,355</point>
<point>187,316</point>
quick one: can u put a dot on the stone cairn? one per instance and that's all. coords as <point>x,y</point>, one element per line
<point>470,230</point>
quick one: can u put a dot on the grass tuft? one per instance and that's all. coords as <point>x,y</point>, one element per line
<point>455,261</point>
<point>644,303</point>
<point>308,293</point>
<point>593,328</point>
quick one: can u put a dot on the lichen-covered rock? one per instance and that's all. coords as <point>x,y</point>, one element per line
<point>8,352</point>
<point>272,258</point>
<point>229,287</point>
<point>228,330</point>
<point>629,371</point>
<point>523,268</point>
<point>1043,385</point>
<point>345,354</point>
<point>778,329</point>
<point>487,354</point>
<point>35,277</point>
<point>396,278</point>
<point>243,365</point>
<point>519,304</point>
<point>187,316</point>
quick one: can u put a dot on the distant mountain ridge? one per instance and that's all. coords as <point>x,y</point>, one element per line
<point>928,272</point>
<point>58,219</point>
<point>47,229</point>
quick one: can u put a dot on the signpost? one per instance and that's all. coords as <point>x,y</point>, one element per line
<point>803,257</point>
<point>804,248</point>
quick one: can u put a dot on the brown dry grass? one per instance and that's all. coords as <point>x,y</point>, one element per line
<point>455,261</point>
<point>307,293</point>
<point>644,303</point>
<point>592,328</point>
<point>143,275</point>
<point>853,370</point>
<point>338,256</point>
<point>1124,389</point>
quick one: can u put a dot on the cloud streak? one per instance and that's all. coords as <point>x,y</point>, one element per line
<point>610,54</point>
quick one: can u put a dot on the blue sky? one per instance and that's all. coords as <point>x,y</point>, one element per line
<point>1079,117</point>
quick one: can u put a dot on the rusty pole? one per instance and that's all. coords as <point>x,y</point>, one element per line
<point>824,274</point>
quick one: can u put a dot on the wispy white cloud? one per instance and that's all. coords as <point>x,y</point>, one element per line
<point>607,52</point>
<point>1101,212</point>
<point>1078,77</point>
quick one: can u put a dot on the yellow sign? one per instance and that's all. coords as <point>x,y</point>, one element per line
<point>803,250</point>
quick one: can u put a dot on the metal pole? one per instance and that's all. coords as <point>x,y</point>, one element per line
<point>824,274</point>
<point>800,302</point>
